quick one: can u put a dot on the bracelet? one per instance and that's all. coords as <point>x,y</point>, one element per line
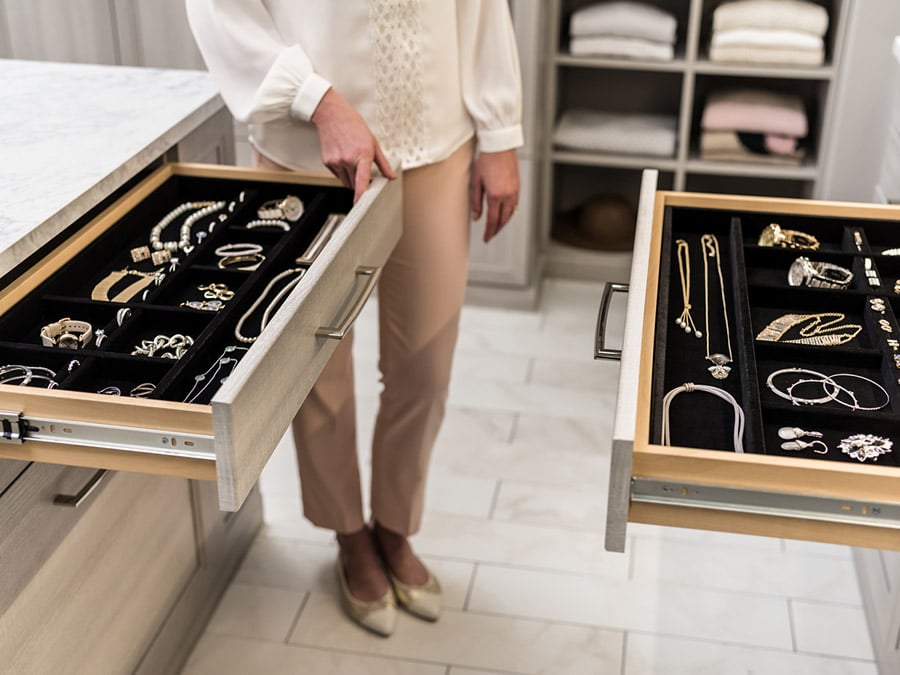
<point>164,346</point>
<point>690,387</point>
<point>239,248</point>
<point>806,272</point>
<point>23,375</point>
<point>831,388</point>
<point>774,235</point>
<point>268,222</point>
<point>67,334</point>
<point>236,262</point>
<point>142,390</point>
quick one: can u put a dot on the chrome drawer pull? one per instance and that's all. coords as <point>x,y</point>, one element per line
<point>338,332</point>
<point>77,499</point>
<point>600,350</point>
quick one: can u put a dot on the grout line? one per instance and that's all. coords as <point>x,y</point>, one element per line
<point>529,371</point>
<point>790,610</point>
<point>495,498</point>
<point>471,587</point>
<point>303,603</point>
<point>513,428</point>
<point>624,650</point>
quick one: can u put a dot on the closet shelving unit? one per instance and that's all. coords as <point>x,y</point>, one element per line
<point>678,88</point>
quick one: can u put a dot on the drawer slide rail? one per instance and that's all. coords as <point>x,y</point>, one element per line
<point>16,429</point>
<point>829,509</point>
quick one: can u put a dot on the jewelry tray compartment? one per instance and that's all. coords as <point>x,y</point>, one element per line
<point>213,407</point>
<point>778,337</point>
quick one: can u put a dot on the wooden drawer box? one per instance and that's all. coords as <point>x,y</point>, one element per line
<point>817,492</point>
<point>228,432</point>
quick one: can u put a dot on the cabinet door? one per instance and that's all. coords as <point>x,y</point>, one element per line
<point>48,30</point>
<point>95,604</point>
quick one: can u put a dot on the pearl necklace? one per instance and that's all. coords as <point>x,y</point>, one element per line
<point>273,303</point>
<point>201,210</point>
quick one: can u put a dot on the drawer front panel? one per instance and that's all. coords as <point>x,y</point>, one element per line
<point>770,489</point>
<point>32,525</point>
<point>279,371</point>
<point>193,424</point>
<point>95,604</point>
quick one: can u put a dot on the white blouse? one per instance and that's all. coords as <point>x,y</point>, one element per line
<point>425,74</point>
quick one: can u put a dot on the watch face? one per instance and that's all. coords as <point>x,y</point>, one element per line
<point>292,208</point>
<point>68,341</point>
<point>797,273</point>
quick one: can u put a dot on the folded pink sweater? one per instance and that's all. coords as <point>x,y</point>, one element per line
<point>763,112</point>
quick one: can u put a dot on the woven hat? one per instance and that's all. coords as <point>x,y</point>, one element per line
<point>603,223</point>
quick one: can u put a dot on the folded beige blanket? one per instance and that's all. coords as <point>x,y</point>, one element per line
<point>726,146</point>
<point>765,45</point>
<point>781,56</point>
<point>799,15</point>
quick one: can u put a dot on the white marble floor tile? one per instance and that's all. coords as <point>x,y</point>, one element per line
<point>505,322</point>
<point>475,427</point>
<point>576,345</point>
<point>469,640</point>
<point>812,548</point>
<point>524,545</point>
<point>221,655</point>
<point>470,671</point>
<point>835,630</point>
<point>590,436</point>
<point>256,612</point>
<point>457,494</point>
<point>535,399</point>
<point>510,368</point>
<point>746,570</point>
<point>653,607</point>
<point>663,655</point>
<point>574,506</point>
<point>589,376</point>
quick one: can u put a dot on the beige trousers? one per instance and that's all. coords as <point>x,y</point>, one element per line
<point>419,299</point>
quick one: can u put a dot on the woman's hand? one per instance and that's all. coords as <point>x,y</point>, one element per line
<point>495,180</point>
<point>348,145</point>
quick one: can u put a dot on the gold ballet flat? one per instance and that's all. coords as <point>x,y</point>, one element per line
<point>424,601</point>
<point>378,616</point>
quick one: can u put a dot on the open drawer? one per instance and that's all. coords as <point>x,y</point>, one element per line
<point>821,456</point>
<point>215,409</point>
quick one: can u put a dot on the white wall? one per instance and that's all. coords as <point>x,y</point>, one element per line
<point>864,97</point>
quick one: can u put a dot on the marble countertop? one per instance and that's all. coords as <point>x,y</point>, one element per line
<point>71,134</point>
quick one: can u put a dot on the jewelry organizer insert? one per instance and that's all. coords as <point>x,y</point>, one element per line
<point>795,352</point>
<point>165,302</point>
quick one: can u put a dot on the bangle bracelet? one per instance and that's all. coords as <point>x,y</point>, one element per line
<point>268,222</point>
<point>229,250</point>
<point>236,262</point>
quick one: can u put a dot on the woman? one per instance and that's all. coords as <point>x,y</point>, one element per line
<point>431,86</point>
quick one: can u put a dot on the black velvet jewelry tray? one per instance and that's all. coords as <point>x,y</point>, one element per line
<point>161,309</point>
<point>757,292</point>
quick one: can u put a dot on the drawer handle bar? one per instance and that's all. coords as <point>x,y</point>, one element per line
<point>76,500</point>
<point>600,350</point>
<point>338,332</point>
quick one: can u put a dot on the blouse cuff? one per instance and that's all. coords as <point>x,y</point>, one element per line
<point>498,140</point>
<point>308,97</point>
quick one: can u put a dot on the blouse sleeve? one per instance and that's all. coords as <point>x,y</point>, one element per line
<point>491,78</point>
<point>259,76</point>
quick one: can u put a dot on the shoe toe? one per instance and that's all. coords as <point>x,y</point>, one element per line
<point>424,601</point>
<point>378,616</point>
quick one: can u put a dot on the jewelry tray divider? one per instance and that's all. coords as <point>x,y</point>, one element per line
<point>700,420</point>
<point>67,292</point>
<point>759,293</point>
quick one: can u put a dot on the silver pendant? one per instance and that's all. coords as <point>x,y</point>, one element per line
<point>719,368</point>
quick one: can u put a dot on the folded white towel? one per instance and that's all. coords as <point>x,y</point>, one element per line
<point>629,48</point>
<point>766,37</point>
<point>632,134</point>
<point>766,45</point>
<point>625,19</point>
<point>798,15</point>
<point>781,56</point>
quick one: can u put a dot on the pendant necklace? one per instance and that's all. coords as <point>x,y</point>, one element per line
<point>719,368</point>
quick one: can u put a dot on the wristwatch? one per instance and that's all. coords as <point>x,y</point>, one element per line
<point>290,208</point>
<point>67,334</point>
<point>805,272</point>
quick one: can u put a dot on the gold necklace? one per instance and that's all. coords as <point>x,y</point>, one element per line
<point>821,331</point>
<point>719,368</point>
